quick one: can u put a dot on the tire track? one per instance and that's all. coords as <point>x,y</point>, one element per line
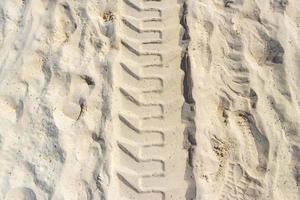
<point>147,146</point>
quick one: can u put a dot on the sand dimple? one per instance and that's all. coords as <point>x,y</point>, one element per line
<point>52,54</point>
<point>21,194</point>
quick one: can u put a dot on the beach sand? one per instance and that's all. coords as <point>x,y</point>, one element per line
<point>149,99</point>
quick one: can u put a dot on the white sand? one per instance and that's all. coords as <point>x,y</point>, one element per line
<point>245,62</point>
<point>133,99</point>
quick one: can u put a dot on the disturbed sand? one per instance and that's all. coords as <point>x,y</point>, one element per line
<point>149,99</point>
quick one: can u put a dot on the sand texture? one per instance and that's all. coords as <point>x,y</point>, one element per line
<point>149,99</point>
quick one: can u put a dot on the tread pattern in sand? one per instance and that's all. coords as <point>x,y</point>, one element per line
<point>147,147</point>
<point>239,185</point>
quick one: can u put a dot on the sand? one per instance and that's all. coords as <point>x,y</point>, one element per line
<point>149,99</point>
